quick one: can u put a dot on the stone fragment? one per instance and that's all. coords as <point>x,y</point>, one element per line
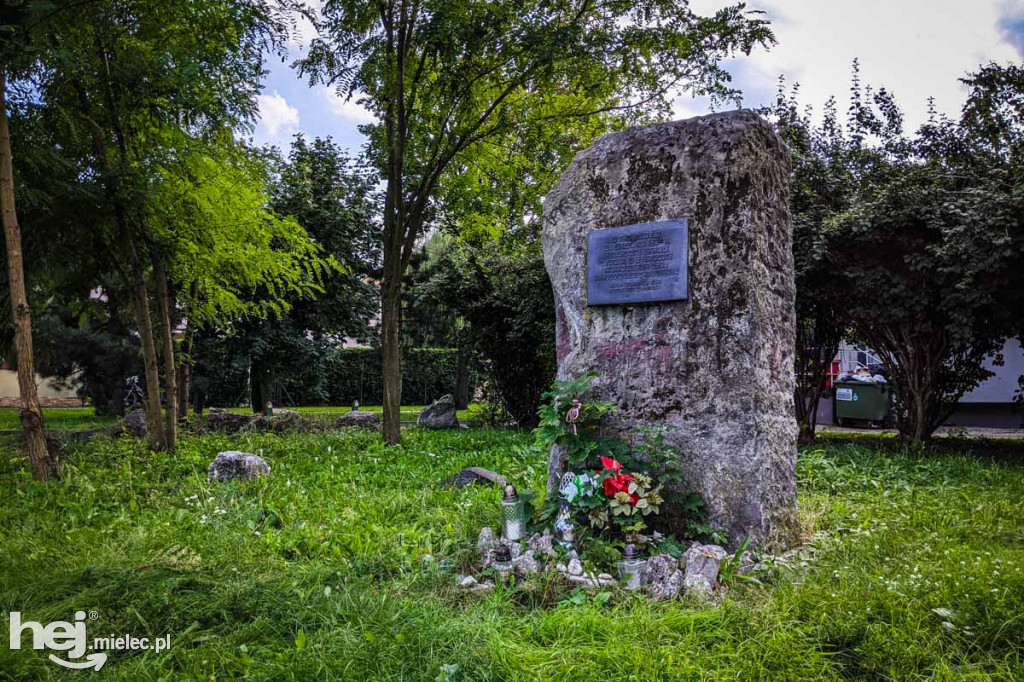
<point>439,415</point>
<point>663,577</point>
<point>486,540</point>
<point>232,465</point>
<point>467,582</point>
<point>542,543</point>
<point>575,566</point>
<point>702,564</point>
<point>716,366</point>
<point>526,564</point>
<point>365,420</point>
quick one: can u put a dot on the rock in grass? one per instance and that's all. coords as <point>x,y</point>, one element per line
<point>664,579</point>
<point>364,420</point>
<point>702,564</point>
<point>542,543</point>
<point>439,415</point>
<point>134,423</point>
<point>228,422</point>
<point>472,475</point>
<point>526,564</point>
<point>237,466</point>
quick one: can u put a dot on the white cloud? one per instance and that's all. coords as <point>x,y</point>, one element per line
<point>915,48</point>
<point>278,119</point>
<point>304,31</point>
<point>349,110</point>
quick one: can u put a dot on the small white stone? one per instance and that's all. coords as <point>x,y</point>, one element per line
<point>468,582</point>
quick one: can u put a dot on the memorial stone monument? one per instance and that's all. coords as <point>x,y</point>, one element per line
<point>669,252</point>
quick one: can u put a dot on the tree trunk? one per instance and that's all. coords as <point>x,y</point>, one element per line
<point>43,465</point>
<point>260,382</point>
<point>163,295</point>
<point>462,379</point>
<point>391,353</point>
<point>140,304</point>
<point>184,388</point>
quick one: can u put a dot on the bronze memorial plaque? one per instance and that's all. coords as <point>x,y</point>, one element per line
<point>643,263</point>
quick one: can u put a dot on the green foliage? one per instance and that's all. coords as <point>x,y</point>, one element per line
<point>500,292</point>
<point>623,486</point>
<point>933,220</point>
<point>124,534</point>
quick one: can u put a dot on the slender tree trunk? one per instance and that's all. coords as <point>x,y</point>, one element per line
<point>391,350</point>
<point>140,303</point>
<point>43,465</point>
<point>163,296</point>
<point>184,387</point>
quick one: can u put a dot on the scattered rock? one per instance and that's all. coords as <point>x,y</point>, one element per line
<point>439,415</point>
<point>702,564</point>
<point>364,420</point>
<point>228,422</point>
<point>473,475</point>
<point>467,582</point>
<point>134,423</point>
<point>526,564</point>
<point>486,540</point>
<point>589,582</point>
<point>664,579</point>
<point>237,466</point>
<point>746,564</point>
<point>575,566</point>
<point>561,568</point>
<point>542,543</point>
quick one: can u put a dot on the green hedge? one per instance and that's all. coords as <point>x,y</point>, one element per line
<point>427,374</point>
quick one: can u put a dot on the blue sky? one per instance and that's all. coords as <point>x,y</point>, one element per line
<point>916,48</point>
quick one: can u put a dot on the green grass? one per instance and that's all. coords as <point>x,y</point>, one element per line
<point>81,418</point>
<point>57,418</point>
<point>321,570</point>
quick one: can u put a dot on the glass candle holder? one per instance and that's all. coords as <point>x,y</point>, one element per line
<point>513,515</point>
<point>631,568</point>
<point>502,565</point>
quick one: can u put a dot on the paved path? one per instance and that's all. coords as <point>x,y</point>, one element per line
<point>942,432</point>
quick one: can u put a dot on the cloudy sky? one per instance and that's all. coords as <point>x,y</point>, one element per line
<point>915,48</point>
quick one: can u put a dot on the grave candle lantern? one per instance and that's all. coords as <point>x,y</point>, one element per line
<point>631,568</point>
<point>502,563</point>
<point>513,515</point>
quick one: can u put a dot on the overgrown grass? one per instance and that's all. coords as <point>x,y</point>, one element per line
<point>57,418</point>
<point>321,571</point>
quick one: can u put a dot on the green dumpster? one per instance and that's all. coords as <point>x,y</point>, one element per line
<point>865,401</point>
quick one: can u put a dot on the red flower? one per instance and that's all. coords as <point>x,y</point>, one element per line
<point>617,482</point>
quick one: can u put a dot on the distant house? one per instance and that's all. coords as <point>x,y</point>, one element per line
<point>50,395</point>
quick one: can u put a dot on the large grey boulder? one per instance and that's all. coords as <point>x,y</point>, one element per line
<point>717,367</point>
<point>439,415</point>
<point>366,420</point>
<point>134,423</point>
<point>237,466</point>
